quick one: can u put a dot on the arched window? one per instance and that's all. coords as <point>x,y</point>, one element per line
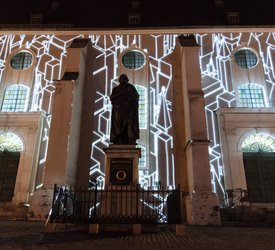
<point>259,143</point>
<point>10,142</point>
<point>15,98</point>
<point>142,109</point>
<point>251,95</point>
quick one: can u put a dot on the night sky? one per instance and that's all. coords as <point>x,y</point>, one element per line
<point>153,13</point>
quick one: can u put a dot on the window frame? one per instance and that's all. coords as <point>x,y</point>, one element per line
<point>19,106</point>
<point>133,51</point>
<point>21,66</point>
<point>247,58</point>
<point>251,96</point>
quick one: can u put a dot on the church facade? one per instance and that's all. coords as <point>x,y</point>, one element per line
<point>205,115</point>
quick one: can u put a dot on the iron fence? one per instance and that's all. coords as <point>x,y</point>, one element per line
<point>115,204</point>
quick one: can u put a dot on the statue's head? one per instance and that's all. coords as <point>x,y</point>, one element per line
<point>123,78</point>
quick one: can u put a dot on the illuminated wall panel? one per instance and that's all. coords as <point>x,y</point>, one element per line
<point>50,52</point>
<point>218,87</point>
<point>159,127</point>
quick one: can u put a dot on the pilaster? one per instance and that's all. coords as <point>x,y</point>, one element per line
<point>63,148</point>
<point>201,202</point>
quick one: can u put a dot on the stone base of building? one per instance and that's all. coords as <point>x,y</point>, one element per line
<point>40,204</point>
<point>202,209</point>
<point>13,212</point>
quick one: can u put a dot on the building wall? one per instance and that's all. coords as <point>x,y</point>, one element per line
<point>156,76</point>
<point>88,105</point>
<point>220,78</point>
<point>28,127</point>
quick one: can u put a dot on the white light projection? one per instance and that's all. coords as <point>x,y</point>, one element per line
<point>218,86</point>
<point>50,52</point>
<point>160,166</point>
<point>216,83</point>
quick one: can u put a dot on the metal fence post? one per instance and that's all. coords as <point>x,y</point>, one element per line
<point>137,202</point>
<point>54,194</point>
<point>94,215</point>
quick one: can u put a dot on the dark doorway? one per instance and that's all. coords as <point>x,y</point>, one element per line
<point>260,176</point>
<point>8,171</point>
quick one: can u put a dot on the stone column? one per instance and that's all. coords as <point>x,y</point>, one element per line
<point>180,118</point>
<point>56,164</point>
<point>63,148</point>
<point>201,202</point>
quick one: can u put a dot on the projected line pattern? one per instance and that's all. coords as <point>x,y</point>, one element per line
<point>216,83</point>
<point>161,167</point>
<point>50,52</point>
<point>218,87</point>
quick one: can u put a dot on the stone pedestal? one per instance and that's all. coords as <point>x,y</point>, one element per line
<point>121,167</point>
<point>121,179</point>
<point>201,210</point>
<point>93,228</point>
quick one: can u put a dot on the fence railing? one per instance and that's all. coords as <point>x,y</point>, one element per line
<point>115,204</point>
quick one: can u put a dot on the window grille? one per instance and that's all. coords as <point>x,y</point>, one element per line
<point>134,19</point>
<point>219,3</point>
<point>22,60</point>
<point>135,5</point>
<point>133,60</point>
<point>259,142</point>
<point>251,96</point>
<point>142,109</point>
<point>36,19</point>
<point>10,142</point>
<point>15,99</point>
<point>245,58</point>
<point>233,17</point>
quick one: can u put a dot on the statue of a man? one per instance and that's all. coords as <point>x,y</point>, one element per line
<point>124,124</point>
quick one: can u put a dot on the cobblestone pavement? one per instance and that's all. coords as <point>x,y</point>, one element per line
<point>30,235</point>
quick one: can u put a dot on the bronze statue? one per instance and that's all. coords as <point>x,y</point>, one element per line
<point>124,123</point>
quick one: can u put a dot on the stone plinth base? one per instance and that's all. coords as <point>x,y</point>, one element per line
<point>121,179</point>
<point>93,228</point>
<point>202,209</point>
<point>180,229</point>
<point>50,228</point>
<point>40,204</point>
<point>136,229</point>
<point>121,165</point>
<point>119,200</point>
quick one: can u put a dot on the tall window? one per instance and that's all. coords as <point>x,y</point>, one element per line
<point>251,96</point>
<point>15,98</point>
<point>142,159</point>
<point>142,109</point>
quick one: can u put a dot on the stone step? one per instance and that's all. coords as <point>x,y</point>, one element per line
<point>247,216</point>
<point>13,212</point>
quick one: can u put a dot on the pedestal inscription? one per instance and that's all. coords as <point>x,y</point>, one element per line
<point>121,165</point>
<point>121,171</point>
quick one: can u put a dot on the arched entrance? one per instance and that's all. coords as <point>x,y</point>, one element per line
<point>10,148</point>
<point>259,163</point>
